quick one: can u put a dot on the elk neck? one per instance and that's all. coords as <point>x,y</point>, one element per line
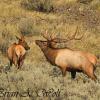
<point>50,53</point>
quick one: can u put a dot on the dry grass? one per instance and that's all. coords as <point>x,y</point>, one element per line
<point>37,73</point>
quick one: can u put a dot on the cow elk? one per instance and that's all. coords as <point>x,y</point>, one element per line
<point>17,51</point>
<point>67,59</point>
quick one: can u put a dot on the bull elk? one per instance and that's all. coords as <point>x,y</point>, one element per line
<point>67,59</point>
<point>17,51</point>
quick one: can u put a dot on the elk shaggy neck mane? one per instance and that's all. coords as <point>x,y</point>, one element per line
<point>51,55</point>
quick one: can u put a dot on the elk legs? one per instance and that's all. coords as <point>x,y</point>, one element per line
<point>64,71</point>
<point>90,73</point>
<point>73,74</point>
<point>10,62</point>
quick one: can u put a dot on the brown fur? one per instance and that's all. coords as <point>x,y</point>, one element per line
<point>17,51</point>
<point>67,59</point>
<point>91,57</point>
<point>49,53</point>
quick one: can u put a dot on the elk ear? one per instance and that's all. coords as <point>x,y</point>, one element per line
<point>18,38</point>
<point>22,37</point>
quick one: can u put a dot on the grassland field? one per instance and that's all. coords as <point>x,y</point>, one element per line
<point>60,17</point>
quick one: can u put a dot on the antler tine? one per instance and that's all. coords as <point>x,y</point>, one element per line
<point>77,38</point>
<point>73,36</point>
<point>52,36</point>
<point>45,35</point>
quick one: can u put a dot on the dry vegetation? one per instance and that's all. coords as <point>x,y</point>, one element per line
<point>31,17</point>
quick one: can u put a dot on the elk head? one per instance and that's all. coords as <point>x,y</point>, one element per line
<point>45,44</point>
<point>22,42</point>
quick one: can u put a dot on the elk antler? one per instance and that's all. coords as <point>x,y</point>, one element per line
<point>51,38</point>
<point>48,36</point>
<point>73,37</point>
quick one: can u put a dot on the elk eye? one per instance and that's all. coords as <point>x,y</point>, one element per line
<point>20,40</point>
